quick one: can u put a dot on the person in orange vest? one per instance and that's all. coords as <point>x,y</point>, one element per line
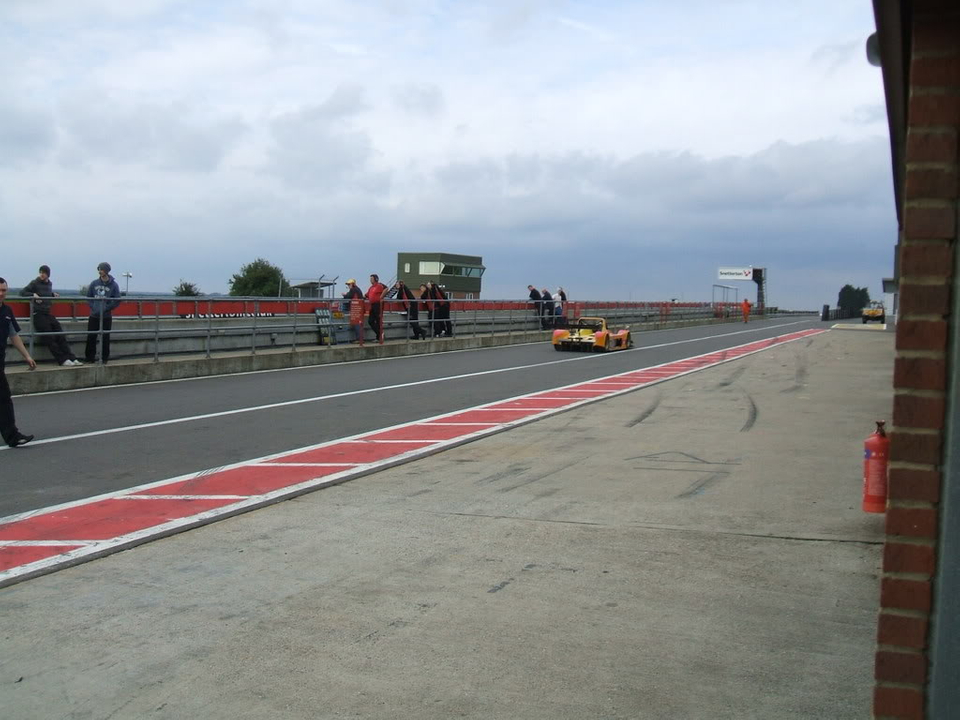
<point>745,306</point>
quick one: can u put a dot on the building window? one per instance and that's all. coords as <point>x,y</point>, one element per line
<point>429,268</point>
<point>406,267</point>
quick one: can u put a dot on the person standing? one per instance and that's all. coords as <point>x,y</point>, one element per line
<point>442,312</point>
<point>560,297</point>
<point>44,321</point>
<point>375,296</point>
<point>537,305</point>
<point>546,299</point>
<point>9,328</point>
<point>353,293</point>
<point>105,294</point>
<point>425,295</point>
<point>745,307</point>
<point>411,307</point>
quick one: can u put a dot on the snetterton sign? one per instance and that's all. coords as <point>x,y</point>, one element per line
<point>735,273</point>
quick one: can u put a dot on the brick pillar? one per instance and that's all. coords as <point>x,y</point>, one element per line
<point>922,361</point>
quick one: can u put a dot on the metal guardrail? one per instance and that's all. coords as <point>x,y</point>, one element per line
<point>168,326</point>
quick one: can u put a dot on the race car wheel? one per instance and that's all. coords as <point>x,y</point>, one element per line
<point>557,348</point>
<point>864,321</point>
<point>883,318</point>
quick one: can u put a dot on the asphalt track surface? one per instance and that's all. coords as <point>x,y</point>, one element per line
<point>107,439</point>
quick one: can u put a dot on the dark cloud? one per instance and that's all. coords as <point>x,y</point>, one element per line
<point>817,215</point>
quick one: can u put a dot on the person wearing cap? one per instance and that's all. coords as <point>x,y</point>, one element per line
<point>44,321</point>
<point>105,296</point>
<point>353,293</point>
<point>9,328</point>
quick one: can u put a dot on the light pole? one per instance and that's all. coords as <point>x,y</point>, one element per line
<point>127,275</point>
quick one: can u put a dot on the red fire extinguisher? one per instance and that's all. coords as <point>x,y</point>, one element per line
<point>876,450</point>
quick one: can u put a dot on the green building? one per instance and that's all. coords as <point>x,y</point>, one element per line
<point>458,275</point>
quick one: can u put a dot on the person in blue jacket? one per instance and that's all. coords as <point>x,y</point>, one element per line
<point>105,296</point>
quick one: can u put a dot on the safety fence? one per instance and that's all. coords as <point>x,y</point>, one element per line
<point>155,327</point>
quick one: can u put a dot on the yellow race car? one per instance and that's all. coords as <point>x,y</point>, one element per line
<point>874,311</point>
<point>591,334</point>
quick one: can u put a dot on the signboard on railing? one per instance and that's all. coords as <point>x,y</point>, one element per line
<point>735,273</point>
<point>356,312</point>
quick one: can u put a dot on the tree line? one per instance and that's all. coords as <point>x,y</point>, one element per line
<point>257,279</point>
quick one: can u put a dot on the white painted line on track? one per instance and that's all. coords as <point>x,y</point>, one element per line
<point>365,391</point>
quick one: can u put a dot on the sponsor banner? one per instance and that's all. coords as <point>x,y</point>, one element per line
<point>735,273</point>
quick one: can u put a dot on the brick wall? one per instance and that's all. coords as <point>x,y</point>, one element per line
<point>920,378</point>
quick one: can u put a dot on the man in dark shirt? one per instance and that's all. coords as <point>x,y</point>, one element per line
<point>9,328</point>
<point>44,321</point>
<point>546,302</point>
<point>535,300</point>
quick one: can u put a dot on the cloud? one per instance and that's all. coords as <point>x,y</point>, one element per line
<point>317,146</point>
<point>27,134</point>
<point>419,98</point>
<point>162,137</point>
<point>615,148</point>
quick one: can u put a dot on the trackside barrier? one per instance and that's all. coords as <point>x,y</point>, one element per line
<point>163,327</point>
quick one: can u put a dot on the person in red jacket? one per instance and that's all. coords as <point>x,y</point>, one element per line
<point>375,297</point>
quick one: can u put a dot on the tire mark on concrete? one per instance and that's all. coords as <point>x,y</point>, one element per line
<point>731,378</point>
<point>801,374</point>
<point>698,487</point>
<point>540,476</point>
<point>752,413</point>
<point>500,586</point>
<point>510,472</point>
<point>646,413</point>
<point>546,493</point>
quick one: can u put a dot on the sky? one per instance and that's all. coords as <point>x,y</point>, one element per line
<point>624,149</point>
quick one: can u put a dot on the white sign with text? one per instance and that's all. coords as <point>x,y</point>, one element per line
<point>735,273</point>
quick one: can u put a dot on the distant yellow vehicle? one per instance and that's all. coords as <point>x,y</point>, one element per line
<point>874,311</point>
<point>591,335</point>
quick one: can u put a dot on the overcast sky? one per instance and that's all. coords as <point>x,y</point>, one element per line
<point>621,148</point>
